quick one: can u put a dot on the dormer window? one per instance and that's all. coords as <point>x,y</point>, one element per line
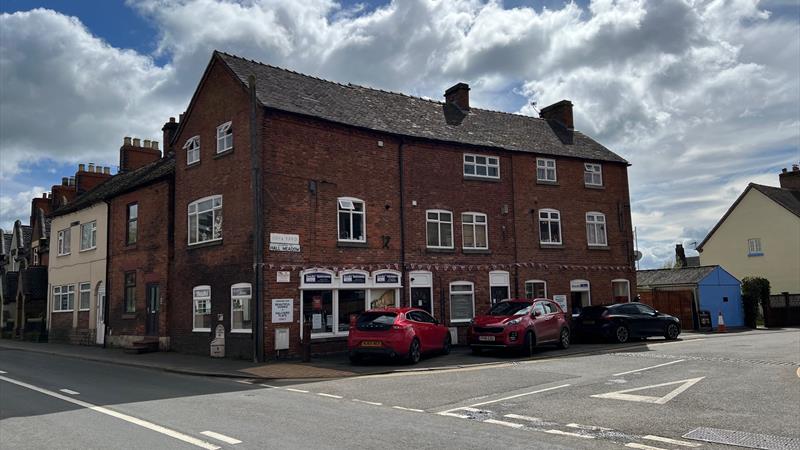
<point>224,137</point>
<point>192,147</point>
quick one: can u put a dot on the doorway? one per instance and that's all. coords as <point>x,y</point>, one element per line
<point>100,316</point>
<point>151,325</point>
<point>580,295</point>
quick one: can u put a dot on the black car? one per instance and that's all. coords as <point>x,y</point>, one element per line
<point>624,321</point>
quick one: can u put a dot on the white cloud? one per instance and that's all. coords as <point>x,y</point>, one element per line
<point>17,206</point>
<point>700,96</point>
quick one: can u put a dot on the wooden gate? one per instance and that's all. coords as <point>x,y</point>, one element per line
<point>675,303</point>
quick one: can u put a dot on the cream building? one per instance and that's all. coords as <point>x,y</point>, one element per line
<point>760,235</point>
<point>77,271</point>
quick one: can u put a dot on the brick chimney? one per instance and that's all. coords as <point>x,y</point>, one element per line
<point>458,96</point>
<point>790,179</point>
<point>559,112</point>
<point>86,180</point>
<point>133,155</point>
<point>169,129</point>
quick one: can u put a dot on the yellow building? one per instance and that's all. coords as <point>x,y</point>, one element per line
<point>760,235</point>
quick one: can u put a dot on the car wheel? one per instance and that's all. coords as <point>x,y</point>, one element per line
<point>414,353</point>
<point>447,344</point>
<point>529,347</point>
<point>622,334</point>
<point>672,332</point>
<point>563,341</point>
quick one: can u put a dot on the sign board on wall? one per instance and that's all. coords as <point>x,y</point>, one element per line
<point>282,310</point>
<point>561,300</point>
<point>284,276</point>
<point>280,242</point>
<point>579,285</point>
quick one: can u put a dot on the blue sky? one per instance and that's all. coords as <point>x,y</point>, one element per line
<point>701,97</point>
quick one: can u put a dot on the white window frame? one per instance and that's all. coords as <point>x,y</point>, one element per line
<point>627,287</point>
<point>593,222</point>
<point>192,147</point>
<point>35,256</point>
<point>64,242</point>
<point>471,292</point>
<point>61,291</point>
<point>550,220</point>
<point>421,279</point>
<point>93,235</point>
<point>439,223</point>
<point>224,137</point>
<point>84,288</point>
<point>215,212</point>
<point>754,247</point>
<point>195,299</point>
<point>244,312</point>
<point>535,281</point>
<point>346,205</point>
<point>474,225</point>
<point>594,172</point>
<point>471,160</point>
<point>544,164</point>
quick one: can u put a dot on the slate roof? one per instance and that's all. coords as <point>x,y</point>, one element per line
<point>672,277</point>
<point>27,231</point>
<point>405,115</point>
<point>120,183</point>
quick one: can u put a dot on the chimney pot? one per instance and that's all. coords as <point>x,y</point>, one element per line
<point>783,170</point>
<point>107,170</point>
<point>171,120</point>
<point>91,167</point>
<point>72,181</point>
<point>82,167</point>
<point>147,143</point>
<point>137,142</point>
<point>44,194</point>
<point>64,181</point>
<point>154,145</point>
<point>458,95</point>
<point>126,140</point>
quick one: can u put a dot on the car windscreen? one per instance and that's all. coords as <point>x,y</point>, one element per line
<point>374,321</point>
<point>510,309</point>
<point>593,311</point>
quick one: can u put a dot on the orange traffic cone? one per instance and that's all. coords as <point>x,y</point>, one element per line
<point>720,323</point>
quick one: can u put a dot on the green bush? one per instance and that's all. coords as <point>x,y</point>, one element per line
<point>755,292</point>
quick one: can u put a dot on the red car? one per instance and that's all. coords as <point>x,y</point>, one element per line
<point>393,332</point>
<point>522,324</point>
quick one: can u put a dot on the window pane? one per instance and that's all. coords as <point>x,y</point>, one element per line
<point>480,160</point>
<point>592,233</point>
<point>480,170</point>
<point>382,298</point>
<point>344,225</point>
<point>433,234</point>
<point>240,315</point>
<point>350,303</point>
<point>469,169</point>
<point>205,225</point>
<point>447,235</point>
<point>445,217</point>
<point>318,309</point>
<point>544,231</point>
<point>358,226</point>
<point>555,231</point>
<point>461,307</point>
<point>193,228</point>
<point>469,238</point>
<point>480,236</point>
<point>467,218</point>
<point>541,173</point>
<point>492,171</point>
<point>601,233</point>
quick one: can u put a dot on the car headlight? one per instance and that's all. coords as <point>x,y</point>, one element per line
<point>514,321</point>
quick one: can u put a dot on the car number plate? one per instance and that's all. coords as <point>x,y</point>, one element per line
<point>588,322</point>
<point>486,338</point>
<point>370,343</point>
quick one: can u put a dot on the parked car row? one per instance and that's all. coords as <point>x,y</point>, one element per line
<point>521,324</point>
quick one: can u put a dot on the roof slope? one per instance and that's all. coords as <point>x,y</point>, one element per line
<point>405,115</point>
<point>121,183</point>
<point>787,198</point>
<point>672,277</point>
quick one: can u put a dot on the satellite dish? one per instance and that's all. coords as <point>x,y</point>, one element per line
<point>638,255</point>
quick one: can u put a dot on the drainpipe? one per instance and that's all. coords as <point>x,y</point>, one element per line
<point>514,231</point>
<point>258,226</point>
<point>402,224</point>
<point>106,287</point>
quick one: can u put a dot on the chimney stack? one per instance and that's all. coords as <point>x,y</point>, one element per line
<point>169,129</point>
<point>458,96</point>
<point>559,112</point>
<point>790,179</point>
<point>680,256</point>
<point>132,155</point>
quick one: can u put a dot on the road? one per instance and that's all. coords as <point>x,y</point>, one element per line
<point>656,395</point>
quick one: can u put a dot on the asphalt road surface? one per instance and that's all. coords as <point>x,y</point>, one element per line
<point>702,392</point>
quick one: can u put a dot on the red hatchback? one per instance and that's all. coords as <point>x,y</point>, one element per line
<point>393,332</point>
<point>522,324</point>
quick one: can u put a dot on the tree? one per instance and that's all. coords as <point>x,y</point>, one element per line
<point>755,292</point>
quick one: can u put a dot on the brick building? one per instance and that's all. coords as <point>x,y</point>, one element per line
<point>356,197</point>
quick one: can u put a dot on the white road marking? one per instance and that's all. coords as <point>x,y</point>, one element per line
<point>134,420</point>
<point>69,391</point>
<point>297,390</point>
<point>3,371</point>
<point>519,395</point>
<point>450,412</point>
<point>244,381</point>
<point>623,395</point>
<point>647,368</point>
<point>588,427</point>
<point>525,418</point>
<point>567,433</point>
<point>676,342</point>
<point>403,408</point>
<point>329,395</point>
<point>650,437</point>
<point>642,446</point>
<point>369,403</point>
<point>504,423</point>
<point>221,437</point>
<point>268,386</point>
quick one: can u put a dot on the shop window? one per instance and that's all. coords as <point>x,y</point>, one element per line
<point>474,231</point>
<point>621,290</point>
<point>192,147</point>
<point>318,309</point>
<point>593,174</point>
<point>535,289</point>
<point>382,298</point>
<point>596,229</point>
<point>439,229</point>
<point>89,235</point>
<point>201,308</point>
<point>462,301</point>
<point>205,220</point>
<point>130,292</point>
<point>549,226</point>
<point>351,303</point>
<point>224,137</point>
<point>480,166</point>
<point>546,170</point>
<point>241,293</point>
<point>352,220</point>
<point>85,295</point>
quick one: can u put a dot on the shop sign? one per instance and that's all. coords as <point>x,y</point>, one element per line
<point>284,276</point>
<point>354,278</point>
<point>318,278</point>
<point>279,242</point>
<point>579,285</point>
<point>282,310</point>
<point>387,278</point>
<point>561,300</point>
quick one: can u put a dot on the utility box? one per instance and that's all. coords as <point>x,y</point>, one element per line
<point>218,344</point>
<point>281,339</point>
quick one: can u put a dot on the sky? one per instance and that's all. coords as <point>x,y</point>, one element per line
<point>701,96</point>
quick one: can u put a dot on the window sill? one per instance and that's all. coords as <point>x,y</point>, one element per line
<point>130,246</point>
<point>476,251</point>
<point>594,186</point>
<point>355,244</point>
<point>241,331</point>
<point>439,250</point>
<point>201,330</point>
<point>129,316</point>
<point>547,183</point>
<point>543,245</point>
<point>205,244</point>
<point>62,254</point>
<point>84,309</point>
<point>461,322</point>
<point>599,247</point>
<point>63,311</point>
<point>480,178</point>
<point>87,249</point>
<point>328,337</point>
<point>223,153</point>
<point>194,164</point>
